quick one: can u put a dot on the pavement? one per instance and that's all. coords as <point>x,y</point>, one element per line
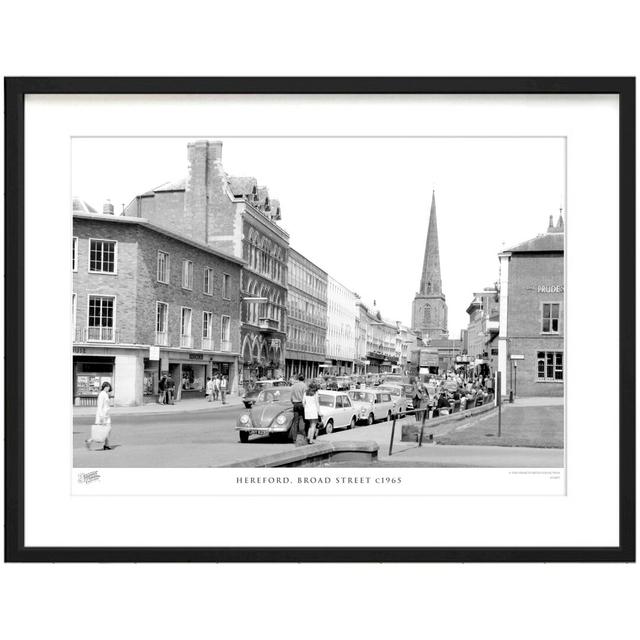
<point>153,408</point>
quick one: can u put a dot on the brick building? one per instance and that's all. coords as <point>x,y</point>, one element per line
<point>306,317</point>
<point>531,336</point>
<point>147,301</point>
<point>481,343</point>
<point>237,217</point>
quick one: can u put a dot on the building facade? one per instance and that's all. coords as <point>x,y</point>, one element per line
<point>481,335</point>
<point>380,339</point>
<point>341,328</point>
<point>148,302</point>
<point>531,352</point>
<point>429,313</point>
<point>235,216</point>
<point>306,317</point>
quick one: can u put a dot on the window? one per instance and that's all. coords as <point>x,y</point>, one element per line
<point>226,282</point>
<point>162,328</point>
<point>74,254</point>
<point>73,315</point>
<point>187,274</point>
<point>207,330</point>
<point>207,281</point>
<point>102,256</point>
<point>163,267</point>
<point>100,319</point>
<point>550,366</point>
<point>550,317</point>
<point>225,328</point>
<point>185,328</point>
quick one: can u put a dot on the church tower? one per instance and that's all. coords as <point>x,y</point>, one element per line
<point>429,307</point>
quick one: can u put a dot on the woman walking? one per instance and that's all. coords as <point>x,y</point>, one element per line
<point>311,411</point>
<point>103,419</point>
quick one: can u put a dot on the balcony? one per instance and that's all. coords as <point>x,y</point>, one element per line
<point>186,342</point>
<point>96,334</point>
<point>162,338</point>
<point>207,344</point>
<point>268,323</point>
<point>225,345</point>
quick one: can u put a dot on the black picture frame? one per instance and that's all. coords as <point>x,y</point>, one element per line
<point>15,91</point>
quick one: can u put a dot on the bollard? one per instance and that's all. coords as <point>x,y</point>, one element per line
<point>511,396</point>
<point>393,430</point>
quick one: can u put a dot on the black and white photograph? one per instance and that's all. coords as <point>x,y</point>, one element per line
<point>326,302</point>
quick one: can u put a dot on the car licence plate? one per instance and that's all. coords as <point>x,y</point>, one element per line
<point>260,432</point>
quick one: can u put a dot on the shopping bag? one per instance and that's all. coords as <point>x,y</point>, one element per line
<point>99,433</point>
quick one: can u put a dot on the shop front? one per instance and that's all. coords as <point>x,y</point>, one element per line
<point>89,372</point>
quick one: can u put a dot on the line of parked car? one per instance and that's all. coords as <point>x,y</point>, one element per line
<point>270,411</point>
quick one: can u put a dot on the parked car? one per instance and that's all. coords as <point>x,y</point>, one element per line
<point>400,394</point>
<point>271,413</point>
<point>336,411</point>
<point>249,396</point>
<point>372,404</point>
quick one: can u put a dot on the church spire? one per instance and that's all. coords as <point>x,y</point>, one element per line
<point>431,281</point>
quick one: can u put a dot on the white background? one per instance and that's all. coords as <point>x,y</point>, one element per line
<point>328,39</point>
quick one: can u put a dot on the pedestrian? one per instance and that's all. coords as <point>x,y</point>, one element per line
<point>216,387</point>
<point>170,389</point>
<point>209,389</point>
<point>162,390</point>
<point>311,411</point>
<point>223,389</point>
<point>103,419</point>
<point>297,397</point>
<point>417,397</point>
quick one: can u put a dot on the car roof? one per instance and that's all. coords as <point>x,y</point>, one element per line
<point>329,392</point>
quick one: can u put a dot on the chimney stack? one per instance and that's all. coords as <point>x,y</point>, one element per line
<point>107,208</point>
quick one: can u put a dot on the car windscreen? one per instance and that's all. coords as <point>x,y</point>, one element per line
<point>274,395</point>
<point>325,400</point>
<point>361,396</point>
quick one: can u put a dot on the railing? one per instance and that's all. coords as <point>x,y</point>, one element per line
<point>225,345</point>
<point>96,334</point>
<point>162,338</point>
<point>186,342</point>
<point>207,344</point>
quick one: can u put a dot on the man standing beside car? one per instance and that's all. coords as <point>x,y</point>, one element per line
<point>297,396</point>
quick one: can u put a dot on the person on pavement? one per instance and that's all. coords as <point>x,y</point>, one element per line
<point>297,396</point>
<point>162,390</point>
<point>223,389</point>
<point>311,411</point>
<point>209,389</point>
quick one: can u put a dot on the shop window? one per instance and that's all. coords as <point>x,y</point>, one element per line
<point>74,254</point>
<point>187,274</point>
<point>102,256</point>
<point>550,366</point>
<point>163,267</point>
<point>550,317</point>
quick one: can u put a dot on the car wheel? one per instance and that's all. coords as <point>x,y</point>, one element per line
<point>244,436</point>
<point>328,428</point>
<point>352,424</point>
<point>370,419</point>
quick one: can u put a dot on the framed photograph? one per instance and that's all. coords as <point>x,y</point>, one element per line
<point>320,319</point>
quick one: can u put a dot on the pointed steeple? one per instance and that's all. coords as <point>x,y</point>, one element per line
<point>431,281</point>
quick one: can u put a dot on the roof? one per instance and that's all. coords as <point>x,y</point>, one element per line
<point>82,206</point>
<point>143,222</point>
<point>542,243</point>
<point>176,185</point>
<point>241,186</point>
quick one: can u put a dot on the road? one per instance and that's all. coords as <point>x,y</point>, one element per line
<point>208,439</point>
<point>182,439</point>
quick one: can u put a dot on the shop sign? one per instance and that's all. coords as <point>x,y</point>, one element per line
<point>79,350</point>
<point>154,353</point>
<point>555,288</point>
<point>195,356</point>
<point>517,357</point>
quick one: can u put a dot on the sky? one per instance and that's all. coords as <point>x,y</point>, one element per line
<point>359,207</point>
